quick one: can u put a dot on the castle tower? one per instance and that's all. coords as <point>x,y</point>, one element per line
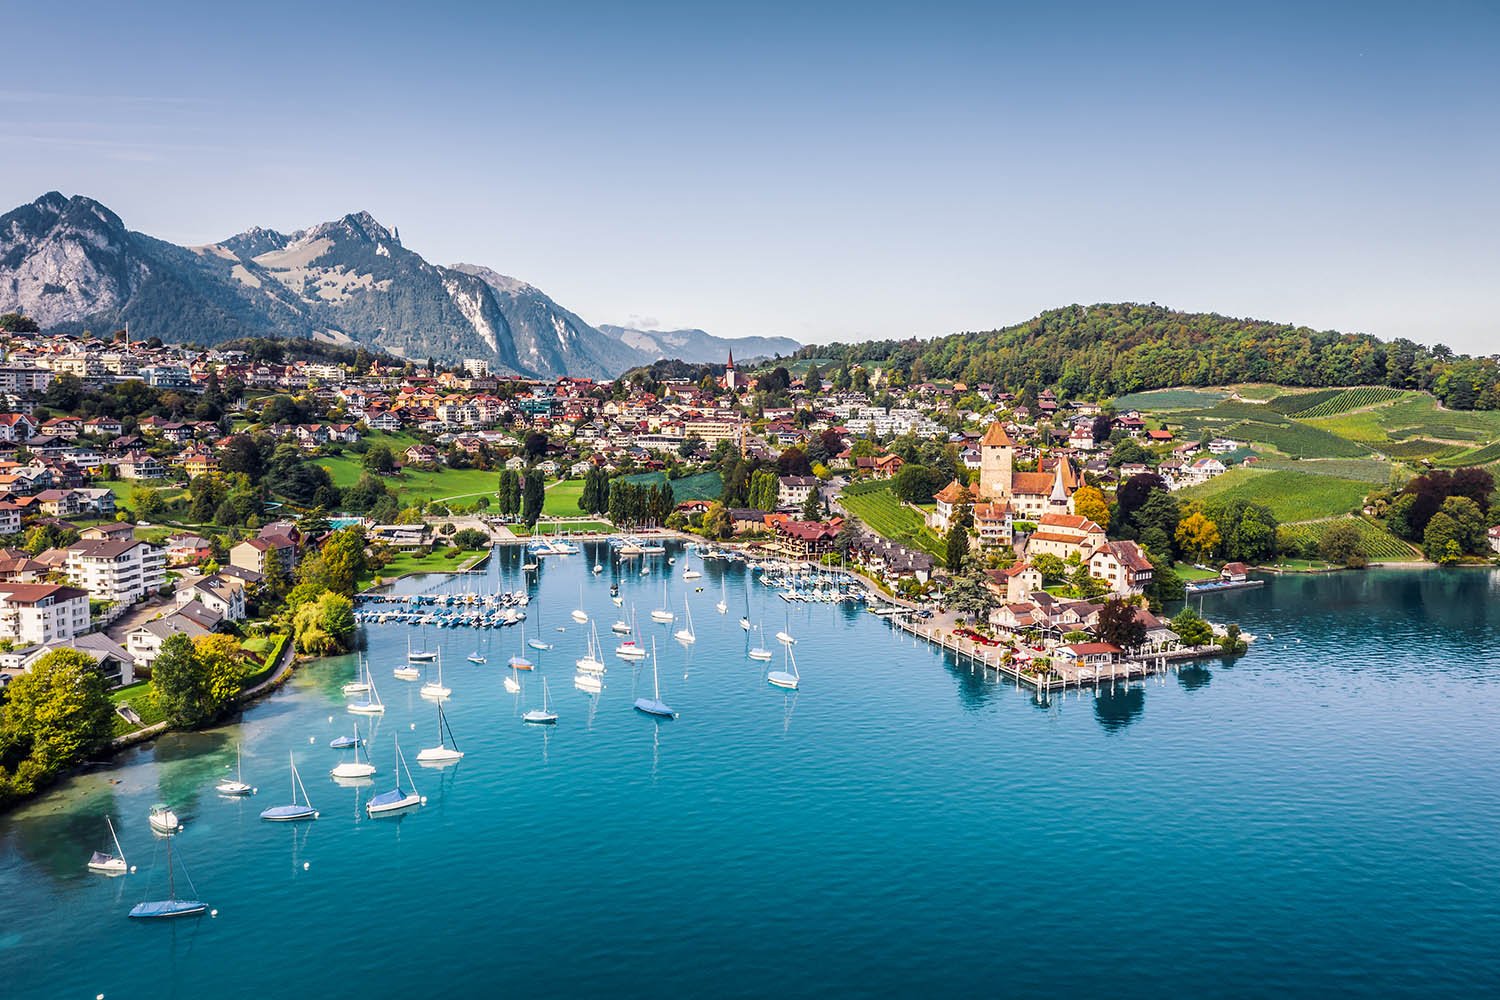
<point>996,461</point>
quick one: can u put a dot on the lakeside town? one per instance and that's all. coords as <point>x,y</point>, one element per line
<point>153,492</point>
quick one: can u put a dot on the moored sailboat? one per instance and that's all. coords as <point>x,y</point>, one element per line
<point>354,767</point>
<point>157,909</point>
<point>442,753</point>
<point>654,705</point>
<point>109,864</point>
<point>295,810</point>
<point>397,799</point>
<point>544,715</point>
<point>235,785</point>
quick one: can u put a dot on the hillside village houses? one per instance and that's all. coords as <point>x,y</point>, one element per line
<point>1025,463</point>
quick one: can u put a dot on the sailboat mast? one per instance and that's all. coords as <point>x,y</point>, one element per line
<point>171,882</point>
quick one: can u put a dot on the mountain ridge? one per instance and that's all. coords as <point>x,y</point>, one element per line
<point>71,263</point>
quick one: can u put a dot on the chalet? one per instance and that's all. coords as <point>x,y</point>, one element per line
<point>1089,654</point>
<point>879,466</point>
<point>1235,572</point>
<point>1065,535</point>
<point>1016,583</point>
<point>947,503</point>
<point>995,522</point>
<point>103,427</point>
<point>421,454</point>
<point>793,491</point>
<point>16,427</point>
<point>139,465</point>
<point>807,539</point>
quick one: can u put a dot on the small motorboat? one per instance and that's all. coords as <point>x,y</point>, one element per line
<point>164,820</point>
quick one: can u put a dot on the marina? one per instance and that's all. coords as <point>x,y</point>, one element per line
<point>631,818</point>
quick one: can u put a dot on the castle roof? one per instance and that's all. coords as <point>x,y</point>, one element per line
<point>996,437</point>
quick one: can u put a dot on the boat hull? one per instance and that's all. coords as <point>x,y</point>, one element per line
<point>777,678</point>
<point>288,814</point>
<point>233,788</point>
<point>536,717</point>
<point>165,909</point>
<point>651,706</point>
<point>438,755</point>
<point>388,808</point>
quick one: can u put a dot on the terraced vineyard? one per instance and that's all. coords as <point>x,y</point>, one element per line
<point>880,510</point>
<point>1376,543</point>
<point>1259,423</point>
<point>1479,456</point>
<point>1296,402</point>
<point>1291,496</point>
<point>1349,399</point>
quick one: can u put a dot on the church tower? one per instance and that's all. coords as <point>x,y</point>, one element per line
<point>730,378</point>
<point>996,461</point>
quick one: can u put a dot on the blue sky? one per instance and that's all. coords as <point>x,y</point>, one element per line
<point>818,171</point>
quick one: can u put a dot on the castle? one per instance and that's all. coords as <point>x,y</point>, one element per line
<point>1029,494</point>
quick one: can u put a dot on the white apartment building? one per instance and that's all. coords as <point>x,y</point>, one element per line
<point>34,613</point>
<point>117,570</point>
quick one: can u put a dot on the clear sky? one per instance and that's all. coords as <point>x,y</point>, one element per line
<point>814,170</point>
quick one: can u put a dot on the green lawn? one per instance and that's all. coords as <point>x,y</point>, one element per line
<point>874,504</point>
<point>1190,573</point>
<point>1291,495</point>
<point>568,527</point>
<point>140,699</point>
<point>416,485</point>
<point>561,498</point>
<point>407,562</point>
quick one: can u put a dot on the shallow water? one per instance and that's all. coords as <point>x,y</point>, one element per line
<point>1320,815</point>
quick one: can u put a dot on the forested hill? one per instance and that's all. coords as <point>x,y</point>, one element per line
<point>1111,349</point>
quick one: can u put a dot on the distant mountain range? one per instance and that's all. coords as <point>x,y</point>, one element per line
<point>70,263</point>
<point>698,346</point>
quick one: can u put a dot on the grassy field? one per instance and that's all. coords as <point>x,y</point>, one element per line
<point>561,498</point>
<point>703,486</point>
<point>442,561</point>
<point>568,527</point>
<point>1377,544</point>
<point>1261,391</point>
<point>1366,470</point>
<point>1191,573</point>
<point>1291,496</point>
<point>874,504</point>
<point>140,699</point>
<point>415,485</point>
<point>1170,399</point>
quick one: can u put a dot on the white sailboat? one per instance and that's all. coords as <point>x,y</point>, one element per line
<point>354,767</point>
<point>534,643</point>
<point>372,705</point>
<point>686,634</point>
<point>654,705</point>
<point>760,652</point>
<point>788,678</point>
<point>407,672</point>
<point>295,810</point>
<point>745,618</point>
<point>663,614</point>
<point>589,662</point>
<point>436,689</point>
<point>785,637</point>
<point>109,864</point>
<point>688,573</point>
<point>237,785</point>
<point>164,820</point>
<point>442,753</point>
<point>544,715</point>
<point>359,685</point>
<point>512,683</point>
<point>398,798</point>
<point>164,909</point>
<point>579,615</point>
<point>723,606</point>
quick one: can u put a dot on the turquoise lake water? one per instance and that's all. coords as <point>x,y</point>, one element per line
<point>1322,815</point>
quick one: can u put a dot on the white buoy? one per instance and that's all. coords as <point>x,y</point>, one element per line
<point>306,865</point>
<point>132,869</point>
<point>312,739</point>
<point>414,725</point>
<point>330,718</point>
<point>213,913</point>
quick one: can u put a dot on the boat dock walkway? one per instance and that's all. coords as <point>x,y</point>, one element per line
<point>1061,676</point>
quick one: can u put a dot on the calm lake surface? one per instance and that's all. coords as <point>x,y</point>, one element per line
<point>1322,815</point>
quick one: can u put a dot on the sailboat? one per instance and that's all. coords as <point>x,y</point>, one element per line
<point>359,685</point>
<point>237,786</point>
<point>354,767</point>
<point>512,682</point>
<point>654,705</point>
<point>544,715</point>
<point>688,573</point>
<point>588,683</point>
<point>745,618</point>
<point>589,662</point>
<point>476,656</point>
<point>436,689</point>
<point>784,636</point>
<point>164,820</point>
<point>109,864</point>
<point>158,909</point>
<point>598,569</point>
<point>407,672</point>
<point>686,633</point>
<point>760,652</point>
<point>442,753</point>
<point>534,643</point>
<point>418,655</point>
<point>789,678</point>
<point>345,742</point>
<point>372,705</point>
<point>397,798</point>
<point>663,614</point>
<point>723,606</point>
<point>579,615</point>
<point>296,810</point>
<point>630,649</point>
<point>621,627</point>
